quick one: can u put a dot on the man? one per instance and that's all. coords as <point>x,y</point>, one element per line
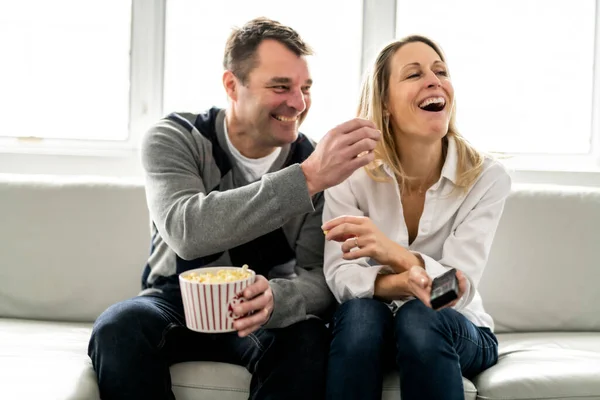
<point>233,187</point>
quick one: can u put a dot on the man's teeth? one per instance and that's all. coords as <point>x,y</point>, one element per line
<point>431,100</point>
<point>284,119</point>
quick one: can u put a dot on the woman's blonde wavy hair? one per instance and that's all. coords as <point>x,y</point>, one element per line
<point>374,96</point>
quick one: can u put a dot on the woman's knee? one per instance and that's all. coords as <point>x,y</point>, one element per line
<point>361,325</point>
<point>361,312</point>
<point>419,330</point>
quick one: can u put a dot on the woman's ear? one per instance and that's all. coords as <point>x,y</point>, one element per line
<point>230,84</point>
<point>386,117</point>
<point>385,108</point>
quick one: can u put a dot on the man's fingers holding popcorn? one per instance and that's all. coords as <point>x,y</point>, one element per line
<point>257,308</point>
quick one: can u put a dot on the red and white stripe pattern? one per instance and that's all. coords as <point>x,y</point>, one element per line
<point>208,306</point>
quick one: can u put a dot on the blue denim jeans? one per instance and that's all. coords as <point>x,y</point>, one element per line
<point>431,349</point>
<point>134,342</point>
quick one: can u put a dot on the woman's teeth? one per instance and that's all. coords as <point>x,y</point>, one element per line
<point>433,100</point>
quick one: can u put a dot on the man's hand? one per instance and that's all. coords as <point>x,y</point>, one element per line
<point>343,150</point>
<point>361,234</point>
<point>256,309</point>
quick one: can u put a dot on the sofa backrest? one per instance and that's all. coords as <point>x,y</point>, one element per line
<point>544,268</point>
<point>70,247</point>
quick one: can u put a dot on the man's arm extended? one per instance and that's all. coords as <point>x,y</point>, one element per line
<point>194,223</point>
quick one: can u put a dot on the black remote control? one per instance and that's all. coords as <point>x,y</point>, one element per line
<point>444,289</point>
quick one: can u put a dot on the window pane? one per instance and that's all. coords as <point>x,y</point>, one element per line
<point>522,69</point>
<point>67,75</point>
<point>195,41</point>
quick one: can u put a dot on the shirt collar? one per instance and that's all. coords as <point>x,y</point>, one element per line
<point>450,164</point>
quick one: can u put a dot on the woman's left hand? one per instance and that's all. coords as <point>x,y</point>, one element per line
<point>462,288</point>
<point>362,234</point>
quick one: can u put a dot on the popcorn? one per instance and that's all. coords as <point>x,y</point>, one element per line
<point>220,276</point>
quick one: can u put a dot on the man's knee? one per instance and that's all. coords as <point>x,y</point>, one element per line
<point>118,323</point>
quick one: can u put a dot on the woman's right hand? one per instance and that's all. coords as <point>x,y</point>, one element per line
<point>419,284</point>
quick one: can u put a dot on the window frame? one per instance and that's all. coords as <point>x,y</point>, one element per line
<point>145,94</point>
<point>18,155</point>
<point>541,167</point>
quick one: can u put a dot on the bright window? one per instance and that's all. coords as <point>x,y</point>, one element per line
<point>195,41</point>
<point>522,69</point>
<point>64,72</point>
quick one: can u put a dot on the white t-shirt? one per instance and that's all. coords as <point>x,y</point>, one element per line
<point>252,168</point>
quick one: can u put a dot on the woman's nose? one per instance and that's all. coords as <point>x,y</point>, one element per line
<point>433,80</point>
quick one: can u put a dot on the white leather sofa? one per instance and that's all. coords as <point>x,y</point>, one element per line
<point>70,247</point>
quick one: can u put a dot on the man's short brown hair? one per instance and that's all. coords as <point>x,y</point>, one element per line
<point>240,50</point>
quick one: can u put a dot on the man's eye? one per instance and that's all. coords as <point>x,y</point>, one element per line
<point>280,87</point>
<point>306,90</point>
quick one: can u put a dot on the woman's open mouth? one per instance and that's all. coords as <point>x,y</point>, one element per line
<point>433,104</point>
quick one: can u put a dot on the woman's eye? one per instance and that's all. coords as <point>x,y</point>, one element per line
<point>413,76</point>
<point>443,73</point>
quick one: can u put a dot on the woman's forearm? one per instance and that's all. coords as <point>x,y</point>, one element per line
<point>390,287</point>
<point>404,259</point>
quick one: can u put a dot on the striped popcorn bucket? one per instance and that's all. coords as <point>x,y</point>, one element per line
<point>208,307</point>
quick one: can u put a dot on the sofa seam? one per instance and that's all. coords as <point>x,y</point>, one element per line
<point>217,388</point>
<point>537,398</point>
<point>468,391</point>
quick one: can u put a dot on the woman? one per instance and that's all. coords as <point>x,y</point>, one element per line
<point>429,202</point>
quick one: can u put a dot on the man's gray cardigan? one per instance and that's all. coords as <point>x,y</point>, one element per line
<point>204,213</point>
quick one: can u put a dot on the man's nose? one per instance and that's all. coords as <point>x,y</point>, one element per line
<point>296,100</point>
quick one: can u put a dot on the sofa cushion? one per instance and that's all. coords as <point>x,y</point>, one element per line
<point>71,246</point>
<point>45,360</point>
<point>544,366</point>
<point>217,381</point>
<point>210,381</point>
<point>548,235</point>
<point>391,388</point>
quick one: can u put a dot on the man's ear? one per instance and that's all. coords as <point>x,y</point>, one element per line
<point>230,84</point>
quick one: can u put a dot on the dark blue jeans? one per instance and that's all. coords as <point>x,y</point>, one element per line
<point>431,349</point>
<point>134,342</point>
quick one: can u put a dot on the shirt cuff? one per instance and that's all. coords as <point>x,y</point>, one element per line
<point>433,268</point>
